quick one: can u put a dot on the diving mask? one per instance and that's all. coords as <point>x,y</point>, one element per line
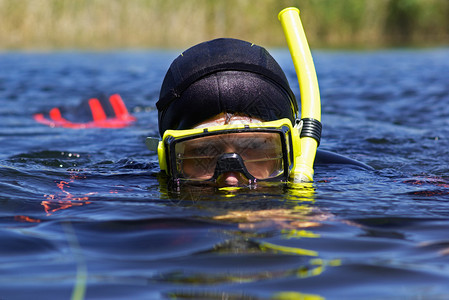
<point>260,151</point>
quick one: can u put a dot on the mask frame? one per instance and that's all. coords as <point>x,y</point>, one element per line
<point>290,140</point>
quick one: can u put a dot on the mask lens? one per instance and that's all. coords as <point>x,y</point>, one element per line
<point>196,158</point>
<point>261,153</point>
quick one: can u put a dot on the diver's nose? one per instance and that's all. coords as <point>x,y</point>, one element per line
<point>232,179</point>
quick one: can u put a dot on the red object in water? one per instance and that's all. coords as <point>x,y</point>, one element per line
<point>119,116</point>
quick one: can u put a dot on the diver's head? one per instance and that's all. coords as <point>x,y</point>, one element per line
<point>219,83</point>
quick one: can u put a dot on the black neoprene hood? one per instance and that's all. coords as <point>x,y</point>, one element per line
<point>224,75</point>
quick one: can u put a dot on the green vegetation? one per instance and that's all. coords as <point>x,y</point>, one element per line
<point>106,24</point>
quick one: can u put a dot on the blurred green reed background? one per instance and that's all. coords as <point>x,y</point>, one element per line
<point>111,24</point>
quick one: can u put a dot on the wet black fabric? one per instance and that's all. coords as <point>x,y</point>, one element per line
<point>224,75</point>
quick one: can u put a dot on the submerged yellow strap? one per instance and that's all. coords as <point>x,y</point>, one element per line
<point>79,289</point>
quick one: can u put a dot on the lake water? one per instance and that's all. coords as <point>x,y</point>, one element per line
<point>85,213</point>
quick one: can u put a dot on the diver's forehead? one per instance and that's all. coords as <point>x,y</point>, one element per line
<point>221,120</point>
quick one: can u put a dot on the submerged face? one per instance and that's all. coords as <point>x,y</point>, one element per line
<point>259,152</point>
<point>229,151</point>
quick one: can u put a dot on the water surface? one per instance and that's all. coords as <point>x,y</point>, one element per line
<point>86,212</point>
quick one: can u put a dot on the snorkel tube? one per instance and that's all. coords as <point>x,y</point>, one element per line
<point>310,93</point>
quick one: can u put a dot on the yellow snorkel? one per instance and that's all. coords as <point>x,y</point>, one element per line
<point>310,93</point>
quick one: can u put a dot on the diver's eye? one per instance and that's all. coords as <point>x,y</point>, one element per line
<point>257,144</point>
<point>207,150</point>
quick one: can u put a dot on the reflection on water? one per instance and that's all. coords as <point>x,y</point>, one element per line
<point>64,198</point>
<point>264,225</point>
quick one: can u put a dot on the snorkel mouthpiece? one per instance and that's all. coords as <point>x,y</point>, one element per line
<point>310,93</point>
